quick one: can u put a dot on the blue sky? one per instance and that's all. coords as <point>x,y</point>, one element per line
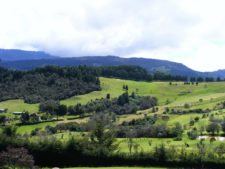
<point>187,31</point>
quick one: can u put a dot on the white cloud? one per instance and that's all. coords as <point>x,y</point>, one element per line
<point>187,31</point>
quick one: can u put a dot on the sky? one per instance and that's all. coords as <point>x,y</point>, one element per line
<point>188,31</point>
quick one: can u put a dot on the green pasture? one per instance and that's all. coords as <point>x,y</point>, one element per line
<point>148,144</point>
<point>173,95</point>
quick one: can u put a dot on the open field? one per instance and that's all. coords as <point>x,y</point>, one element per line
<point>173,95</point>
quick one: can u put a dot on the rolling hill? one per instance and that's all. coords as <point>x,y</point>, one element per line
<point>26,60</point>
<point>15,55</point>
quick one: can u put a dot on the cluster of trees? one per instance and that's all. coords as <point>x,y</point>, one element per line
<point>148,129</point>
<point>3,120</point>
<point>124,104</point>
<point>26,118</point>
<point>16,158</point>
<point>56,83</point>
<point>165,76</point>
<point>47,83</point>
<point>53,108</point>
<point>129,72</point>
<point>147,120</point>
<point>215,126</point>
<point>188,111</point>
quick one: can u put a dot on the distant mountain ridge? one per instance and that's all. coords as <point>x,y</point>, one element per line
<point>16,54</point>
<point>26,60</point>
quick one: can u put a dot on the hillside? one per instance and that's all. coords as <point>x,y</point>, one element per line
<point>46,83</point>
<point>15,54</point>
<point>149,64</point>
<point>150,128</point>
<point>26,60</point>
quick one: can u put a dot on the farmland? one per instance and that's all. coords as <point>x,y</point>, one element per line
<point>175,96</point>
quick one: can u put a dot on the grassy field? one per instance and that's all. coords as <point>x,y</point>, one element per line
<point>173,95</point>
<point>148,144</point>
<point>18,106</point>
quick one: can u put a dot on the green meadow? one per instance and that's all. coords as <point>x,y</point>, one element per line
<point>176,94</point>
<point>172,96</point>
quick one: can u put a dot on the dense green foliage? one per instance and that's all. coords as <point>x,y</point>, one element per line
<point>124,104</point>
<point>99,149</point>
<point>47,83</point>
<point>146,128</point>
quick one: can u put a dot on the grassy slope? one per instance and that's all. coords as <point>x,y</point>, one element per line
<point>162,90</point>
<point>211,93</point>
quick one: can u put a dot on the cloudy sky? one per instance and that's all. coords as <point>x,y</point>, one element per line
<point>187,31</point>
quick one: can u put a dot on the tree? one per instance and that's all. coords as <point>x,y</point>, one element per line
<point>220,149</point>
<point>160,153</point>
<point>123,99</point>
<point>108,96</point>
<point>2,120</point>
<point>130,144</point>
<point>193,134</point>
<point>177,130</point>
<point>102,138</point>
<point>201,151</point>
<point>213,128</point>
<point>16,157</point>
<point>202,129</point>
<point>61,110</point>
<point>223,125</point>
<point>78,109</point>
<point>49,106</point>
<point>133,95</point>
<point>9,131</point>
<point>25,117</point>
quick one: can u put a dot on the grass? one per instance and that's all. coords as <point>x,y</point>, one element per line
<point>28,128</point>
<point>168,142</point>
<point>17,106</point>
<point>175,95</point>
<point>172,96</point>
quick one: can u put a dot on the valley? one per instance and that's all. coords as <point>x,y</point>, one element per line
<point>175,96</point>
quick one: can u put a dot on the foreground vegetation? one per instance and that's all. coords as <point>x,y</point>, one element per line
<point>115,168</point>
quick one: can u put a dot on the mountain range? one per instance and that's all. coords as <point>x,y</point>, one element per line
<point>26,60</point>
<point>16,54</point>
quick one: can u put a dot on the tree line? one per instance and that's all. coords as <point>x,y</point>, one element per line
<point>47,83</point>
<point>124,104</point>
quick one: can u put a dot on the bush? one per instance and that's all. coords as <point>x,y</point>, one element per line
<point>193,134</point>
<point>16,157</point>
